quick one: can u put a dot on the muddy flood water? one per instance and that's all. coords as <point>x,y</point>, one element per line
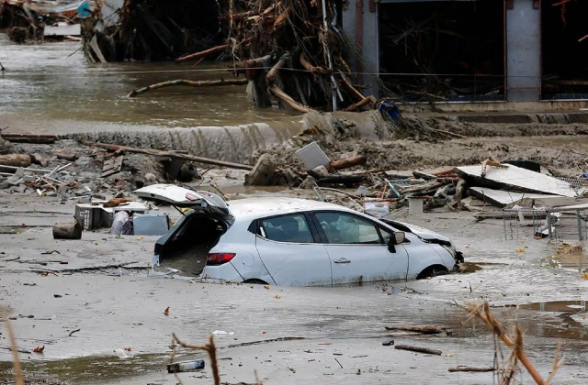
<point>52,84</point>
<point>101,324</point>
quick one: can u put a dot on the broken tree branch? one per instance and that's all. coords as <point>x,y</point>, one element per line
<point>114,148</point>
<point>425,329</point>
<point>272,75</point>
<point>482,311</point>
<point>210,348</point>
<point>291,102</point>
<point>418,349</point>
<point>191,83</point>
<point>16,362</point>
<point>207,52</point>
<point>361,103</point>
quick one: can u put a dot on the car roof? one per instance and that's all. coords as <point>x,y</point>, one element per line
<point>253,208</point>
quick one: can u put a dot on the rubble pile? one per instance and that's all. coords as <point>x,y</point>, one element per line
<point>291,53</point>
<point>151,30</point>
<point>33,21</point>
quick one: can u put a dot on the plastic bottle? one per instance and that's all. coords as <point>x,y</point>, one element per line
<point>185,366</point>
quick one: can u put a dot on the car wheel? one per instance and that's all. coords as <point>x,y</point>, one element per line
<point>433,271</point>
<point>255,282</point>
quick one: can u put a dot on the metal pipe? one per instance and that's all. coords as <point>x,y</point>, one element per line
<point>334,85</point>
<point>359,38</point>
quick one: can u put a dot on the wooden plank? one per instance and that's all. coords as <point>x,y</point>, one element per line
<point>112,165</point>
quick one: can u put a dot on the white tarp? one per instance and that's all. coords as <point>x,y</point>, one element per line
<point>502,198</point>
<point>520,178</point>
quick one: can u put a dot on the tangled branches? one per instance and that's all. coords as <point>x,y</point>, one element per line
<point>513,341</point>
<point>291,51</point>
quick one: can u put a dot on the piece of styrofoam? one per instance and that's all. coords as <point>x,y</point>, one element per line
<point>312,156</point>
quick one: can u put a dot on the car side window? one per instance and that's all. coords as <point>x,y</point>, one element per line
<point>386,235</point>
<point>342,228</point>
<point>287,228</point>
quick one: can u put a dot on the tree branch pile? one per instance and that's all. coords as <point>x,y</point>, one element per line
<point>291,51</point>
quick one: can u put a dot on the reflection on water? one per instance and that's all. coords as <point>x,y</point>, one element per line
<point>556,306</point>
<point>53,81</point>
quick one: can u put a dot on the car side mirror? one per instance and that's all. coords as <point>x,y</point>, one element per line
<point>399,237</point>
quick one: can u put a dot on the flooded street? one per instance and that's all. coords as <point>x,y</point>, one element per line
<point>52,88</point>
<point>87,300</point>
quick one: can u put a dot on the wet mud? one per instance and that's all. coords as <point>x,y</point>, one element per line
<point>117,307</point>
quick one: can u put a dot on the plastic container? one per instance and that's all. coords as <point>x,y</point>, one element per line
<point>415,205</point>
<point>185,366</point>
<point>377,209</point>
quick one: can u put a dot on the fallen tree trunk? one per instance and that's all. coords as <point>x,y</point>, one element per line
<point>337,178</point>
<point>148,151</point>
<point>418,349</point>
<point>349,162</point>
<point>425,329</point>
<point>190,83</point>
<point>67,230</point>
<point>29,138</point>
<point>207,52</point>
<point>16,160</point>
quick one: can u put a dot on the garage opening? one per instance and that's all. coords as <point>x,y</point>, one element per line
<point>564,35</point>
<point>442,50</point>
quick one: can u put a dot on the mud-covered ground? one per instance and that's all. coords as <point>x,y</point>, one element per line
<point>103,299</point>
<point>323,335</point>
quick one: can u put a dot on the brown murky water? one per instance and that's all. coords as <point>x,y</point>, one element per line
<point>54,83</point>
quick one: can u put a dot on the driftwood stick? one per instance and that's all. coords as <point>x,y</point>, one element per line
<point>272,75</point>
<point>207,52</point>
<point>16,362</point>
<point>190,83</point>
<point>309,67</point>
<point>425,329</point>
<point>418,349</point>
<point>350,86</point>
<point>288,99</point>
<point>361,103</point>
<point>451,133</point>
<point>482,311</point>
<point>210,348</point>
<point>147,151</point>
<point>471,369</point>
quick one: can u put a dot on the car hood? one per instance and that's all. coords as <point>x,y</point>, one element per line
<point>421,232</point>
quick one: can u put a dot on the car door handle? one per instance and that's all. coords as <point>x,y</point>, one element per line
<point>342,260</point>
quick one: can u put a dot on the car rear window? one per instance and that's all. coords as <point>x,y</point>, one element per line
<point>287,228</point>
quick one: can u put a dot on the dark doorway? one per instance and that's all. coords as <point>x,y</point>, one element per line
<point>443,50</point>
<point>564,53</point>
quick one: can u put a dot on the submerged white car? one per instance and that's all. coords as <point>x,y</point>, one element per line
<point>293,242</point>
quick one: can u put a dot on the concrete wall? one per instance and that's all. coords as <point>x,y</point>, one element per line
<point>523,52</point>
<point>370,41</point>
